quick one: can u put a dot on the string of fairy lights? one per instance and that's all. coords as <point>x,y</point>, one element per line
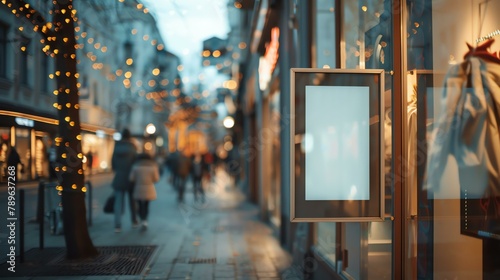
<point>127,74</point>
<point>112,75</point>
<point>86,40</point>
<point>50,31</point>
<point>69,17</point>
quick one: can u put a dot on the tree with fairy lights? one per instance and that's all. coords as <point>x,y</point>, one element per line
<point>59,39</point>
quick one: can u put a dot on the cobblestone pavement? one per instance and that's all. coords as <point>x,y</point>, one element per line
<point>222,238</point>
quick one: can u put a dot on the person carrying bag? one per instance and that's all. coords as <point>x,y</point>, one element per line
<point>144,174</point>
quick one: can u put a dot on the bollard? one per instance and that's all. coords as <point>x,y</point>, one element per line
<point>89,197</point>
<point>21,224</point>
<point>40,201</point>
<point>41,197</point>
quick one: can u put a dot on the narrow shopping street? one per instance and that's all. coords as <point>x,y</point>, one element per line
<point>222,238</point>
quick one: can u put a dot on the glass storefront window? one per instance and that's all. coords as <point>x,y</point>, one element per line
<point>41,164</point>
<point>325,34</point>
<point>23,146</point>
<point>101,149</point>
<point>4,149</point>
<point>367,43</point>
<point>325,46</point>
<point>326,241</point>
<point>453,120</point>
<point>274,201</point>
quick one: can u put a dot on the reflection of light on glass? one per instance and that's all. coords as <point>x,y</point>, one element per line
<point>298,139</point>
<point>148,146</point>
<point>103,165</point>
<point>307,145</point>
<point>353,192</point>
<point>84,160</point>
<point>99,133</point>
<point>117,136</point>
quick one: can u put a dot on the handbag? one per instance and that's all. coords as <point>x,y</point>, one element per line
<point>109,206</point>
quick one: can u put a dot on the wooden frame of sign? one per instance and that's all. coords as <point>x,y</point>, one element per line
<point>337,145</point>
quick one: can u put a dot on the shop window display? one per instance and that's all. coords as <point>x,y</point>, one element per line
<point>367,32</point>
<point>23,146</point>
<point>41,161</point>
<point>326,237</point>
<point>454,55</point>
<point>4,148</point>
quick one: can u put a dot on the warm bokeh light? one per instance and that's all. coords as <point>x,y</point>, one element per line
<point>228,122</point>
<point>231,84</point>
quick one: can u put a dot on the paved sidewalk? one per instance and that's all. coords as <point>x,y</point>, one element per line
<point>220,239</point>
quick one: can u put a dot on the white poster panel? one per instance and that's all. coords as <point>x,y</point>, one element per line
<point>336,143</point>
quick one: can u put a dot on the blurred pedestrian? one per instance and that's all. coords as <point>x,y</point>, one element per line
<point>183,170</point>
<point>90,160</point>
<point>14,160</point>
<point>208,159</point>
<point>122,160</point>
<point>144,175</point>
<point>197,171</point>
<point>172,162</point>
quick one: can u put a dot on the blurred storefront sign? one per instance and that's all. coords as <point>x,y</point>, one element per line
<point>267,63</point>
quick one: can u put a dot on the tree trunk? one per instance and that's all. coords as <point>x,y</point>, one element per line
<point>70,169</point>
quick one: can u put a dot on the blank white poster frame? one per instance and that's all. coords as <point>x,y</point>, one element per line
<point>338,154</point>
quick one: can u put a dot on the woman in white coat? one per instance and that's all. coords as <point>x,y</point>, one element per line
<point>144,174</point>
